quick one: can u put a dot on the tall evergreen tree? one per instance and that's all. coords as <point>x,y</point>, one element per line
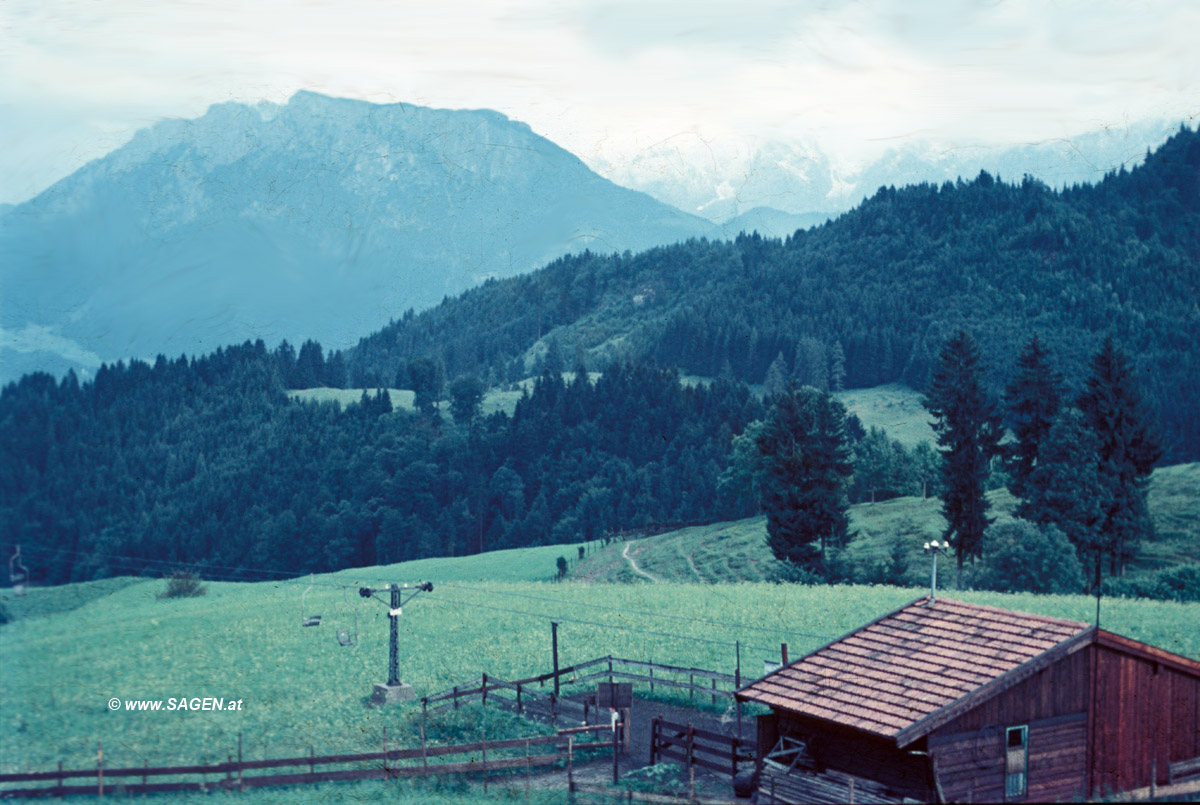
<point>1065,488</point>
<point>777,380</point>
<point>968,427</point>
<point>1031,404</point>
<point>1128,447</point>
<point>837,368</point>
<point>803,444</point>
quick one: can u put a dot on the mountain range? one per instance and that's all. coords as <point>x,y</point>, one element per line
<point>326,218</point>
<point>722,180</point>
<point>322,218</point>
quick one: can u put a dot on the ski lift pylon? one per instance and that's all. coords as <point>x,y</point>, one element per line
<point>305,618</point>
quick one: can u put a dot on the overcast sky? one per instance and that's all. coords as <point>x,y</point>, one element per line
<point>603,78</point>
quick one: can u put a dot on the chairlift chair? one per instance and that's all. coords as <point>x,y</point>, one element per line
<point>306,619</point>
<point>18,574</point>
<point>344,636</point>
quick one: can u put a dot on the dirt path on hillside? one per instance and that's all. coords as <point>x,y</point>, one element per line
<point>634,565</point>
<point>692,565</point>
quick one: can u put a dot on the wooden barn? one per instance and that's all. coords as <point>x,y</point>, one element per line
<point>955,702</point>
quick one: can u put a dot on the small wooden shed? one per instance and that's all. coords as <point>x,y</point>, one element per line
<point>947,701</point>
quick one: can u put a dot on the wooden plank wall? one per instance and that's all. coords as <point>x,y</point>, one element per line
<point>853,752</point>
<point>971,764</point>
<point>1058,690</point>
<point>1053,703</point>
<point>1147,716</point>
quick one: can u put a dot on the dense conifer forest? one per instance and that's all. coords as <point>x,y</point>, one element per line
<point>885,285</point>
<point>207,462</point>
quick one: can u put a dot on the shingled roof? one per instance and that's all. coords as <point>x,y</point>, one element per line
<point>911,670</point>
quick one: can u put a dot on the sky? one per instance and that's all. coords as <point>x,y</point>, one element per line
<point>605,79</point>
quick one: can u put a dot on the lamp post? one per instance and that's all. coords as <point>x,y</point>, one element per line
<point>935,548</point>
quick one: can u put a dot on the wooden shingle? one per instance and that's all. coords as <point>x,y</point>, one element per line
<point>903,670</point>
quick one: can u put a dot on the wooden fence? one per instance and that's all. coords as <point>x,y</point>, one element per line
<point>232,775</point>
<point>530,695</point>
<point>693,746</point>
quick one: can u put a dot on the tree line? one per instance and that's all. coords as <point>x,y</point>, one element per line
<point>1079,466</point>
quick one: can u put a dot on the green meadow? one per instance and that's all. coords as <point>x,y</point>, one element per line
<point>303,692</point>
<point>737,551</point>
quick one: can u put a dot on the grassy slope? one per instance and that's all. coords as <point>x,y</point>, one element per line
<point>737,551</point>
<point>243,641</point>
<point>893,407</point>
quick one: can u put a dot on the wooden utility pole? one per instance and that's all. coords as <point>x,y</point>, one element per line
<point>554,651</point>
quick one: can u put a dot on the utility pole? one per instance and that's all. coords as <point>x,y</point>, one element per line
<point>554,649</point>
<point>394,638</point>
<point>394,690</point>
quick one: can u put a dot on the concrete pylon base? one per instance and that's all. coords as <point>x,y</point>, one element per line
<point>392,694</point>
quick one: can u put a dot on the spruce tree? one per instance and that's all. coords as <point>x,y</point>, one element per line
<point>806,461</point>
<point>1128,447</point>
<point>1065,489</point>
<point>967,423</point>
<point>1032,401</point>
<point>837,368</point>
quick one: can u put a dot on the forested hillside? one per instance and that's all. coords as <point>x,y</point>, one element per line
<point>207,463</point>
<point>886,284</point>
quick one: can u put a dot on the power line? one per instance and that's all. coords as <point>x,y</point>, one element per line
<point>564,619</point>
<point>638,611</point>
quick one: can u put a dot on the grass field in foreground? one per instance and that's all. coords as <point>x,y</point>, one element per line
<point>301,689</point>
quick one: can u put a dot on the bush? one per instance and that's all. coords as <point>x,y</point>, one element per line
<point>1180,583</point>
<point>661,778</point>
<point>184,584</point>
<point>784,572</point>
<point>5,615</point>
<point>1020,556</point>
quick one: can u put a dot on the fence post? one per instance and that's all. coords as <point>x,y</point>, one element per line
<point>485,690</point>
<point>228,772</point>
<point>691,768</point>
<point>424,751</point>
<point>456,697</point>
<point>570,764</point>
<point>310,758</point>
<point>386,774</point>
<point>651,677</point>
<point>714,687</point>
<point>616,736</point>
<point>240,785</point>
<point>483,743</point>
<point>691,685</point>
<point>653,741</point>
<point>610,676</point>
<point>737,685</point>
<point>526,767</point>
<point>100,769</point>
<point>518,698</point>
<point>783,655</point>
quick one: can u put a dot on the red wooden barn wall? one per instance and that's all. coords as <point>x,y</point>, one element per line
<point>1147,715</point>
